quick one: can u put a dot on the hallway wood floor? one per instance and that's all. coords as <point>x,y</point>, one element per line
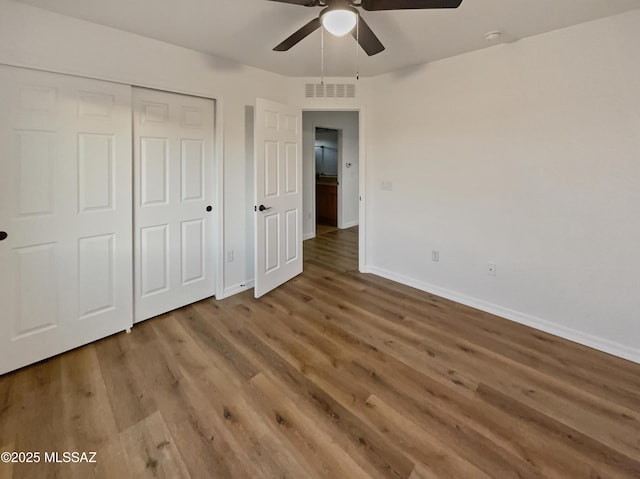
<point>334,375</point>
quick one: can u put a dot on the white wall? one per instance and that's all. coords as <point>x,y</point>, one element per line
<point>347,123</point>
<point>36,38</point>
<point>526,155</point>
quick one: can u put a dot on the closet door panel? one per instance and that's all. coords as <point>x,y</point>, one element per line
<point>65,204</point>
<point>174,192</point>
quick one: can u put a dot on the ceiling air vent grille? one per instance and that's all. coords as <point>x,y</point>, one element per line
<point>309,90</point>
<point>351,90</point>
<point>330,90</point>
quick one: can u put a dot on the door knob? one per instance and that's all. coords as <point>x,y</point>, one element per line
<point>264,208</point>
<point>3,235</point>
<point>209,208</point>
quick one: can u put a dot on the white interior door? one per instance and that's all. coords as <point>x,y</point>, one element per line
<point>65,206</point>
<point>174,190</point>
<point>278,187</point>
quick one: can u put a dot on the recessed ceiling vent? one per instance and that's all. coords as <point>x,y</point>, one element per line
<point>330,90</point>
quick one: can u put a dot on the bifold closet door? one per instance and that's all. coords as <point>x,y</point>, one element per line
<point>65,213</point>
<point>174,189</point>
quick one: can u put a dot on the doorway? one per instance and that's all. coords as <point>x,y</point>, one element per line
<point>331,171</point>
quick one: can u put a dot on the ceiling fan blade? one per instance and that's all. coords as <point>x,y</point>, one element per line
<point>374,5</point>
<point>366,38</point>
<point>301,34</point>
<point>304,3</point>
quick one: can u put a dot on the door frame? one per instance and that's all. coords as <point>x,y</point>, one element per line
<point>362,209</point>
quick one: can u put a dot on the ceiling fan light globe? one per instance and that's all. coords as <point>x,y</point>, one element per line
<point>339,22</point>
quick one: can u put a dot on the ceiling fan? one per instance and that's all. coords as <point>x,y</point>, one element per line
<point>339,17</point>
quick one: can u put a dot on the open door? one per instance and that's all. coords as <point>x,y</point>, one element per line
<point>278,195</point>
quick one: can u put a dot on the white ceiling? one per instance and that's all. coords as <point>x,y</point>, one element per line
<point>246,30</point>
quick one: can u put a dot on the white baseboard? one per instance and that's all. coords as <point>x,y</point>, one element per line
<point>238,288</point>
<point>605,345</point>
<point>350,224</point>
<point>308,236</point>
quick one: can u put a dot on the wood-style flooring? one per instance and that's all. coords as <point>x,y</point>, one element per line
<point>323,229</point>
<point>334,375</point>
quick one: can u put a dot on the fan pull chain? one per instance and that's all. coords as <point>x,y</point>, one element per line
<point>322,55</point>
<point>358,48</point>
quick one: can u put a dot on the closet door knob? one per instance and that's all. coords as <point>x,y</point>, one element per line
<point>3,235</point>
<point>209,208</point>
